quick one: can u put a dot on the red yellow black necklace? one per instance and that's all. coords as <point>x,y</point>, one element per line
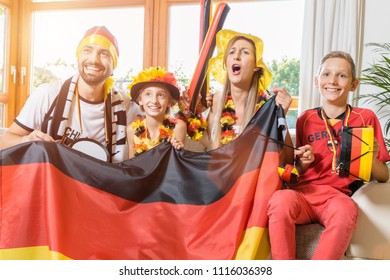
<point>332,135</point>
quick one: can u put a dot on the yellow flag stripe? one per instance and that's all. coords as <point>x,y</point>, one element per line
<point>366,160</point>
<point>31,253</point>
<point>255,245</point>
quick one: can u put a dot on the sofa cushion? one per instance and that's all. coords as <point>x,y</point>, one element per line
<point>371,238</point>
<point>307,237</point>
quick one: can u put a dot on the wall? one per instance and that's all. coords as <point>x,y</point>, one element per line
<point>376,29</point>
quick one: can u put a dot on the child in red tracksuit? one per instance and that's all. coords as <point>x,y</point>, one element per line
<point>321,195</point>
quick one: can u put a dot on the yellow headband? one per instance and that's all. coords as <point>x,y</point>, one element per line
<point>216,64</point>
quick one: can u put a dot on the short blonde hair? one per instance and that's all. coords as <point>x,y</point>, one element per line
<point>339,54</point>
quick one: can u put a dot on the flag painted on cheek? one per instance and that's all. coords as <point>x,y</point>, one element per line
<point>58,203</point>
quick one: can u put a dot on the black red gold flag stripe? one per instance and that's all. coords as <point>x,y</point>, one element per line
<point>58,203</point>
<point>355,160</point>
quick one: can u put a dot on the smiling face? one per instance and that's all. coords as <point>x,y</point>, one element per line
<point>241,62</point>
<point>95,64</point>
<point>155,100</point>
<point>335,81</point>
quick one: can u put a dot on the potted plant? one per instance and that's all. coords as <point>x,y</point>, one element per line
<point>378,75</point>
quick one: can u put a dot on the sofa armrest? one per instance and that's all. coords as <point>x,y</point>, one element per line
<point>371,238</point>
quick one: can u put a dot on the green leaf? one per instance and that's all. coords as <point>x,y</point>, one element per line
<point>378,76</point>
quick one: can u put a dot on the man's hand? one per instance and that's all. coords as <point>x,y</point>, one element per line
<point>37,135</point>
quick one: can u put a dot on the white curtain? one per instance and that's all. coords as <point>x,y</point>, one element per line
<point>328,25</point>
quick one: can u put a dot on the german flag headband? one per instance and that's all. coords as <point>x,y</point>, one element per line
<point>100,35</point>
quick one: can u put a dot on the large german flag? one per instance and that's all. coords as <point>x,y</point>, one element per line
<point>58,203</point>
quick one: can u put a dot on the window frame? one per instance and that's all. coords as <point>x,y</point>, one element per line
<point>7,98</point>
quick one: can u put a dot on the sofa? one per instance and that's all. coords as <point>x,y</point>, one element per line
<point>371,238</point>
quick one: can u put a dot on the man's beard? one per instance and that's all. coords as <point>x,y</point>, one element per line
<point>91,79</point>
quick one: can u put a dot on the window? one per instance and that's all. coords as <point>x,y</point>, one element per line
<point>278,23</point>
<point>149,33</point>
<point>42,36</point>
<point>55,43</point>
<point>3,22</point>
<point>3,63</point>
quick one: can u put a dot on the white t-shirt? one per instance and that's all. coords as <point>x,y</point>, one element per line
<point>92,114</point>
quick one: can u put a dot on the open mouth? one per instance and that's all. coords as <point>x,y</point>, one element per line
<point>93,67</point>
<point>236,68</point>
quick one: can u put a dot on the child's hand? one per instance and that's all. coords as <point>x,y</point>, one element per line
<point>178,145</point>
<point>380,171</point>
<point>305,155</point>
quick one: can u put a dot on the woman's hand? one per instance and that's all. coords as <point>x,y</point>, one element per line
<point>283,98</point>
<point>185,101</point>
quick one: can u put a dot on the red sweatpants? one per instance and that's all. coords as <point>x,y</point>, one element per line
<point>336,211</point>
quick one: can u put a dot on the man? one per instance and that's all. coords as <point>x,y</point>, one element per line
<point>85,106</point>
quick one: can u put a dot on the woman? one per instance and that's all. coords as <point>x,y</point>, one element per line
<point>240,68</point>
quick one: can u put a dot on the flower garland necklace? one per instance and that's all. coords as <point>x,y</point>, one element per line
<point>228,118</point>
<point>196,124</point>
<point>140,131</point>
